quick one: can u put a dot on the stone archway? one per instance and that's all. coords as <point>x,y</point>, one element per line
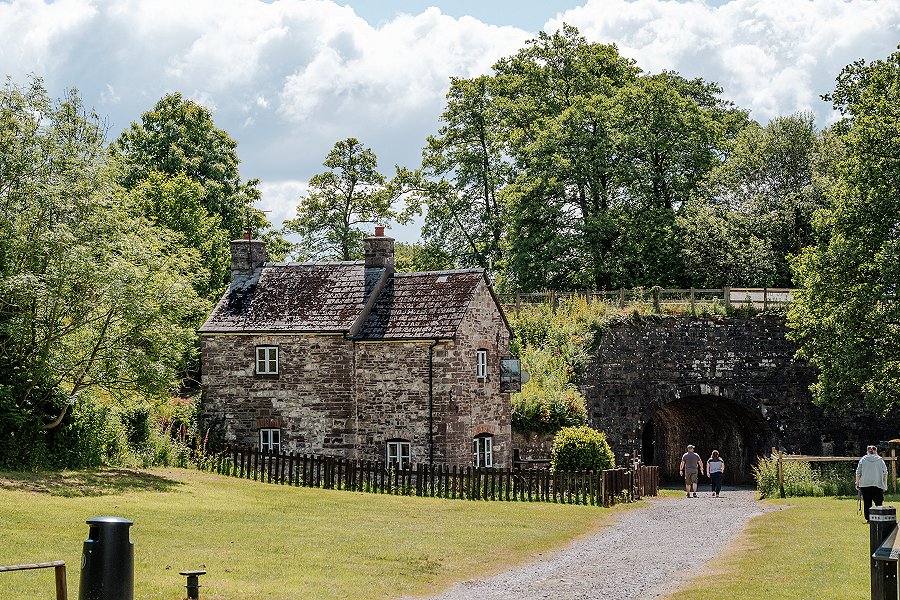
<point>708,422</point>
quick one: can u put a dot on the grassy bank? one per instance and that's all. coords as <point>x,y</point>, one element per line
<point>811,548</point>
<point>264,541</point>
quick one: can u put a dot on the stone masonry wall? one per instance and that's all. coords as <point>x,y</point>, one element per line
<point>311,396</point>
<point>732,378</point>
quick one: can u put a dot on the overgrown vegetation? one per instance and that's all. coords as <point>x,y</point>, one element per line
<point>581,449</point>
<point>802,479</point>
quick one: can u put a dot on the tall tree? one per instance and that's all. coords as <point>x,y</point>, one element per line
<point>351,193</point>
<point>94,296</point>
<point>846,310</point>
<point>468,168</point>
<point>178,136</point>
<point>770,179</point>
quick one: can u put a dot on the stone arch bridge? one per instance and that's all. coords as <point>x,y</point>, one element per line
<point>656,384</point>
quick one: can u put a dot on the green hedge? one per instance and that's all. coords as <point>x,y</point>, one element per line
<point>581,449</point>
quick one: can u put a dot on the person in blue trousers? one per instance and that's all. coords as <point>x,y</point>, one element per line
<point>715,468</point>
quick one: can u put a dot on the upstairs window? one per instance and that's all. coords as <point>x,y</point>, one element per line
<point>267,360</point>
<point>270,440</point>
<point>399,453</point>
<point>483,450</point>
<point>481,368</point>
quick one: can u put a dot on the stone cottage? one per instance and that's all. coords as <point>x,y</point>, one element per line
<point>353,360</point>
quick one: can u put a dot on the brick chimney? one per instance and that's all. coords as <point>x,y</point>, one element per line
<point>246,256</point>
<point>379,251</point>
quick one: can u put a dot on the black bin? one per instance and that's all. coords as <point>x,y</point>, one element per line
<point>107,563</point>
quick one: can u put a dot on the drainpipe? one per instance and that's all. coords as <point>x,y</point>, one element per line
<point>431,403</point>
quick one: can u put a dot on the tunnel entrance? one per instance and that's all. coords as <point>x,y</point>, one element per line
<point>710,423</point>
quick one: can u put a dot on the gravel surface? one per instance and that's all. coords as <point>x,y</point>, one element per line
<point>646,553</point>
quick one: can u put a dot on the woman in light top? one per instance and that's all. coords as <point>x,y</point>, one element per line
<point>715,467</point>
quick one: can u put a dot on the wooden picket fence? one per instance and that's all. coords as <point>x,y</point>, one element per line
<point>603,488</point>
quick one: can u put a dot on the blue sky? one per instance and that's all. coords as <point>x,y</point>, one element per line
<point>288,78</point>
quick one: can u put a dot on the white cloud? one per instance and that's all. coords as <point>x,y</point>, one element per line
<point>280,198</point>
<point>771,56</point>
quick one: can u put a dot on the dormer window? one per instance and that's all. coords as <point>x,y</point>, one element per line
<point>481,364</point>
<point>267,360</point>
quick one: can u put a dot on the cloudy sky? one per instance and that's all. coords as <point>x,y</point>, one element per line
<point>288,78</point>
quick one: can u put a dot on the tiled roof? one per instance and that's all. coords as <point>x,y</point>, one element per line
<point>330,297</point>
<point>321,297</point>
<point>421,305</point>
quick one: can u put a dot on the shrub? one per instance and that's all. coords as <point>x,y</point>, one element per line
<point>581,449</point>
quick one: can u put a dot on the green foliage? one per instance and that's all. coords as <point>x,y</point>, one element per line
<point>801,479</point>
<point>416,258</point>
<point>554,347</point>
<point>176,203</point>
<point>846,310</point>
<point>95,300</point>
<point>350,194</point>
<point>581,449</point>
<point>178,137</point>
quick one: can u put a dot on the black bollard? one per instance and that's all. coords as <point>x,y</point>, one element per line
<point>107,564</point>
<point>882,522</point>
<point>193,583</point>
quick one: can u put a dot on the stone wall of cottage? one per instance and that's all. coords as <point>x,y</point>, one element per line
<point>310,399</point>
<point>470,407</point>
<point>344,398</point>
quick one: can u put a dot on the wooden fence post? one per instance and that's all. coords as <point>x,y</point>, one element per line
<point>765,298</point>
<point>621,297</point>
<point>693,304</point>
<point>726,296</point>
<point>894,467</point>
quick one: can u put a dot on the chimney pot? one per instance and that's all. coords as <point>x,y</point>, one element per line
<point>246,235</point>
<point>379,231</point>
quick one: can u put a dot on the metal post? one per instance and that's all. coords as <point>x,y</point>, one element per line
<point>193,583</point>
<point>882,522</point>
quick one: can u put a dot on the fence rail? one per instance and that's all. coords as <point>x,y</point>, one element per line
<point>763,298</point>
<point>596,488</point>
<point>59,568</point>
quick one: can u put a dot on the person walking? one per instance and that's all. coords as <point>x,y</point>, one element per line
<point>871,479</point>
<point>715,468</point>
<point>691,468</point>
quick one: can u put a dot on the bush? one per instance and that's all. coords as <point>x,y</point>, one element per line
<point>548,401</point>
<point>581,449</point>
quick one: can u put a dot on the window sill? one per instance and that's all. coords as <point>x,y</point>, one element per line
<point>267,375</point>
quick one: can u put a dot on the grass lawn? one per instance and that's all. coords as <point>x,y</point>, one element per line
<point>266,541</point>
<point>812,548</point>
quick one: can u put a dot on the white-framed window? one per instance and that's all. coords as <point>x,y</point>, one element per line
<point>483,450</point>
<point>267,360</point>
<point>270,440</point>
<point>481,364</point>
<point>399,453</point>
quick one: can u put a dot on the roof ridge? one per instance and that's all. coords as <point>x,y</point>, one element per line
<point>342,263</point>
<point>447,272</point>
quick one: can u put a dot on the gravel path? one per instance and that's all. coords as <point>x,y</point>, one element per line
<point>646,553</point>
